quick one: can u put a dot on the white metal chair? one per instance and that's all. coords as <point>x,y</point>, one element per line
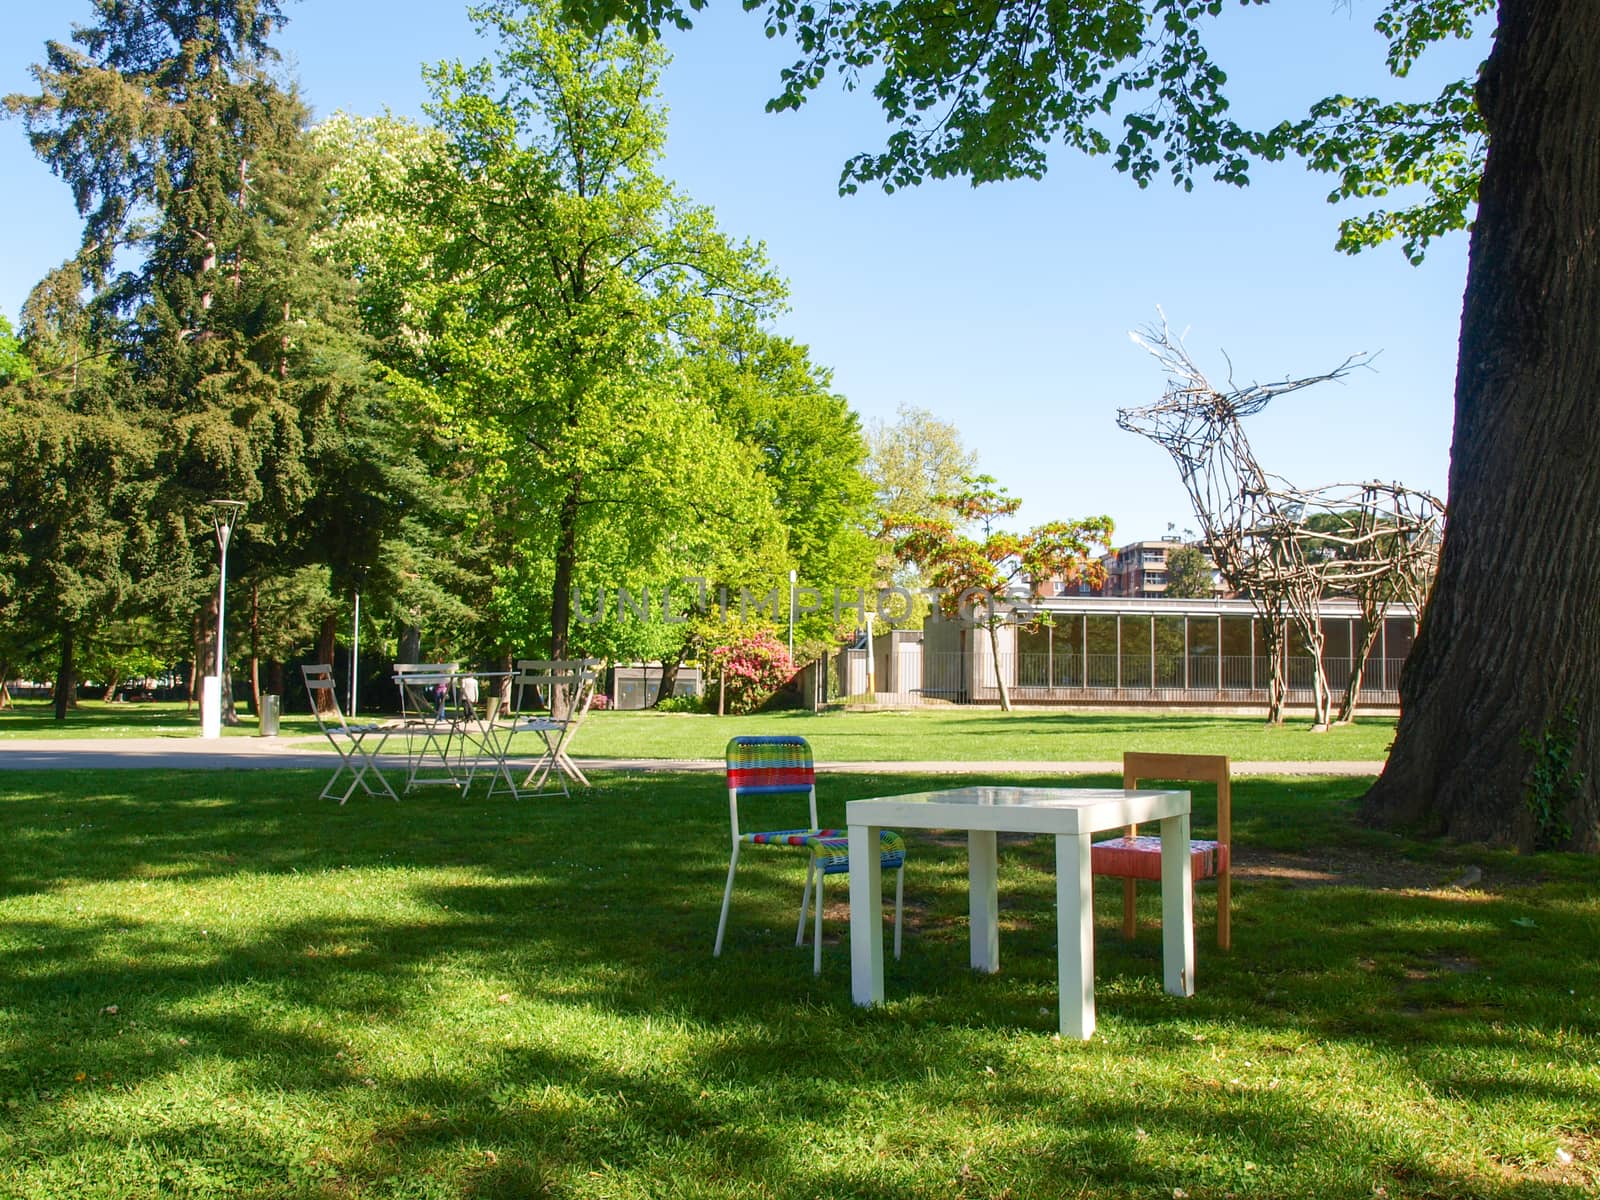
<point>351,741</point>
<point>767,766</point>
<point>427,710</point>
<point>549,697</point>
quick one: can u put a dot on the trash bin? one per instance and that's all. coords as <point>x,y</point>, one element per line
<point>270,707</point>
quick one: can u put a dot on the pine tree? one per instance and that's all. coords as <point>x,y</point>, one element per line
<point>190,162</point>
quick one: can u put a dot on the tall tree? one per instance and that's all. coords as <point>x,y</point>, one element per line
<point>913,463</point>
<point>807,442</point>
<point>982,91</point>
<point>1190,574</point>
<point>188,159</point>
<point>915,459</point>
<point>979,575</point>
<point>566,271</point>
<point>440,559</point>
<point>75,538</point>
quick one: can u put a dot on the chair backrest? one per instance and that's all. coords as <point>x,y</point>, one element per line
<point>418,682</point>
<point>1187,768</point>
<point>769,766</point>
<point>546,684</point>
<point>324,696</point>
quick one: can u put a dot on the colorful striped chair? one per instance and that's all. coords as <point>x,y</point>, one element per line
<point>768,766</point>
<point>1132,858</point>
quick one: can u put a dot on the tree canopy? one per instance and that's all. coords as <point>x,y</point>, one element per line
<point>467,370</point>
<point>984,90</point>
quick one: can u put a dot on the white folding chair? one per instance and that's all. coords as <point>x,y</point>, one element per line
<point>355,756</point>
<point>550,697</point>
<point>427,709</point>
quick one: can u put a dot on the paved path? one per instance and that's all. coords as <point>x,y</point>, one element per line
<point>246,753</point>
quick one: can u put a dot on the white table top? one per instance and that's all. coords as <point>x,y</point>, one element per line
<point>1019,809</point>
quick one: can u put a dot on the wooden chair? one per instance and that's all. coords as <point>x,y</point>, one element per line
<point>1132,858</point>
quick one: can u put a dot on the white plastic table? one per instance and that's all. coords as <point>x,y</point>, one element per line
<point>1071,815</point>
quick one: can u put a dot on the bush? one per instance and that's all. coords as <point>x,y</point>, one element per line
<point>600,702</point>
<point>681,704</point>
<point>753,665</point>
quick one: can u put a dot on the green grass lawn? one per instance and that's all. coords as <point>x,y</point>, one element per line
<point>214,985</point>
<point>919,735</point>
<point>974,734</point>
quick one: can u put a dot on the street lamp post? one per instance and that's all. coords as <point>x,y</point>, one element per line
<point>793,577</point>
<point>355,654</point>
<point>225,516</point>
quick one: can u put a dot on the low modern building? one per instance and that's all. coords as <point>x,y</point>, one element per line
<point>1129,650</point>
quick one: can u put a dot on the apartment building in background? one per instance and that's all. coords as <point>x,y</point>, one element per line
<point>1139,569</point>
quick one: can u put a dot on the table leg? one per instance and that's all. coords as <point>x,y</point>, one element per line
<point>866,915</point>
<point>983,900</point>
<point>1177,907</point>
<point>1075,935</point>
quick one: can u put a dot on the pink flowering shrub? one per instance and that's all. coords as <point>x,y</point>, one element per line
<point>753,664</point>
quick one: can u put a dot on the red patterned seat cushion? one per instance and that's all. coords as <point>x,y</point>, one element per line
<point>1140,858</point>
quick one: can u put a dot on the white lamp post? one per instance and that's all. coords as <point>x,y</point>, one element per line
<point>225,516</point>
<point>872,664</point>
<point>355,654</point>
<point>793,576</point>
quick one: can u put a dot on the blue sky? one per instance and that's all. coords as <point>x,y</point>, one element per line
<point>1003,309</point>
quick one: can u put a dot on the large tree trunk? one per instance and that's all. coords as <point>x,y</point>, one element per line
<point>1508,642</point>
<point>669,673</point>
<point>566,567</point>
<point>327,639</point>
<point>194,666</point>
<point>66,676</point>
<point>410,644</point>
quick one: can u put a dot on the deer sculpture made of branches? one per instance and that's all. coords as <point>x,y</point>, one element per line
<point>1285,548</point>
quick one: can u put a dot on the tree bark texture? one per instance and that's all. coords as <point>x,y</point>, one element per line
<point>327,638</point>
<point>194,667</point>
<point>67,675</point>
<point>1511,638</point>
<point>566,568</point>
<point>410,644</point>
<point>669,674</point>
<point>999,674</point>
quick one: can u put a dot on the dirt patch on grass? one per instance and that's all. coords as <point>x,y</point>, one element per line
<point>1334,868</point>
